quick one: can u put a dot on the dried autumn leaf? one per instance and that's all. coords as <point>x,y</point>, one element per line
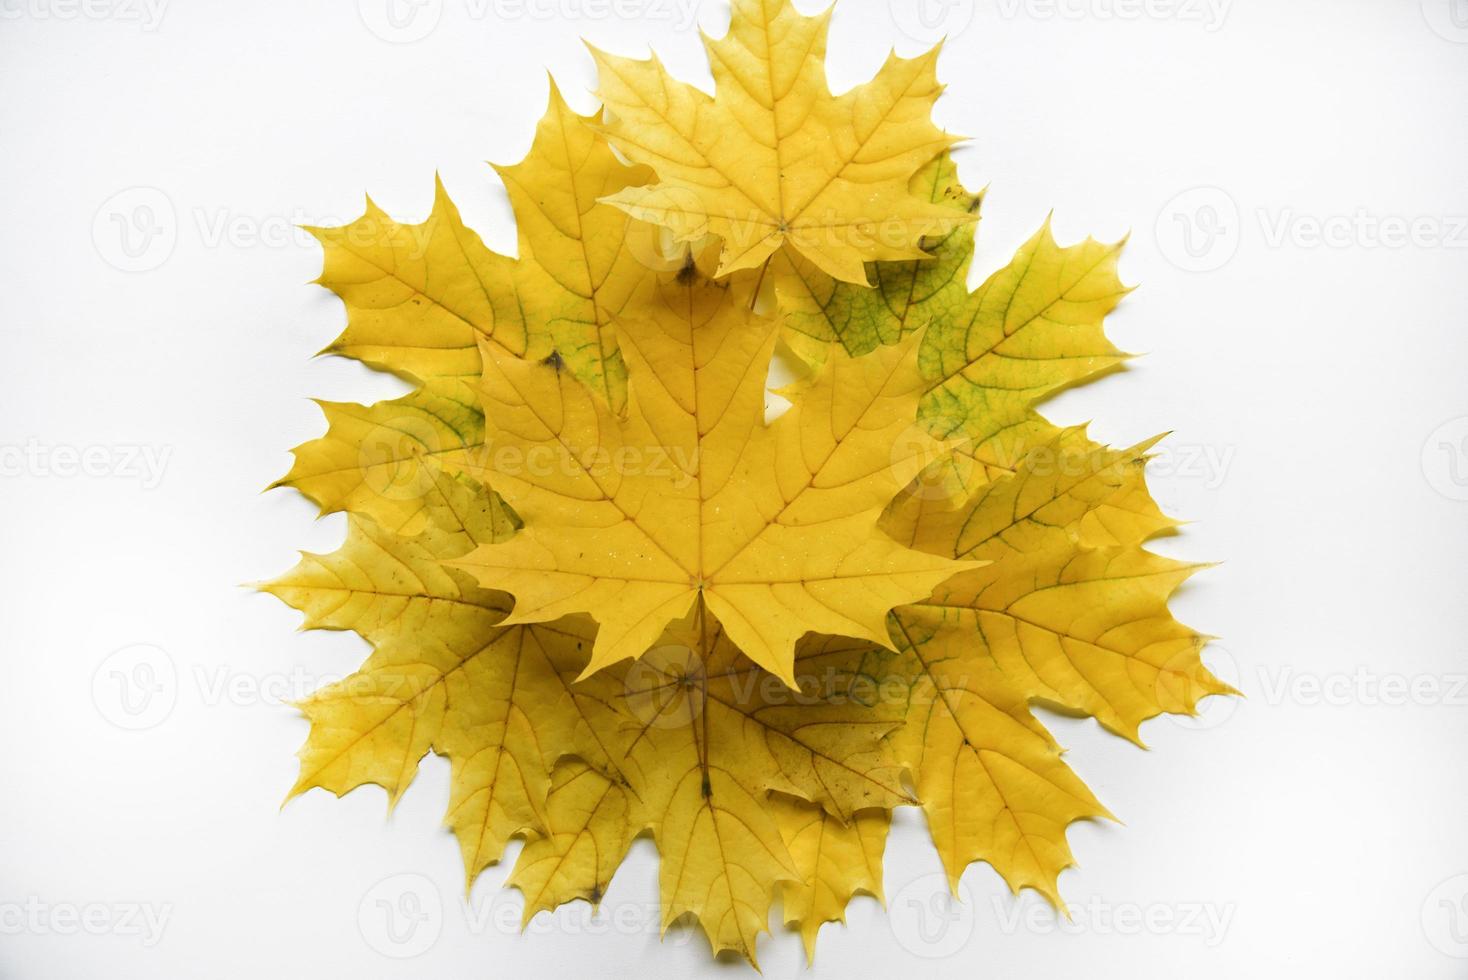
<point>590,820</point>
<point>821,310</point>
<point>773,158</point>
<point>693,496</point>
<point>582,263</point>
<point>420,298</point>
<point>446,675</point>
<point>722,762</point>
<point>450,675</point>
<point>779,636</point>
<point>835,860</point>
<point>708,737</point>
<point>1070,612</point>
<point>377,460</point>
<point>1032,328</point>
<point>688,743</point>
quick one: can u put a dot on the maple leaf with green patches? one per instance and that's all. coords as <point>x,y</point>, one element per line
<point>621,599</point>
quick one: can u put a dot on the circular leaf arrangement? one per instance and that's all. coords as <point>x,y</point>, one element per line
<point>621,600</point>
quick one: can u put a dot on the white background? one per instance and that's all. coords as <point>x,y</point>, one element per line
<point>1297,831</point>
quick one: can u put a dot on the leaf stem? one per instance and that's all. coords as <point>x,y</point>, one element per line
<point>703,696</point>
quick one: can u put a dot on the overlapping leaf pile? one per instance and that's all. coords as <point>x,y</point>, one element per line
<point>620,601</point>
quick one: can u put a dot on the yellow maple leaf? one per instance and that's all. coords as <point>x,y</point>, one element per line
<point>694,497</point>
<point>689,742</point>
<point>773,158</point>
<point>821,310</point>
<point>421,297</point>
<point>751,639</point>
<point>835,860</point>
<point>1071,612</point>
<point>582,263</point>
<point>445,675</point>
<point>418,299</point>
<point>591,818</point>
<point>715,748</point>
<point>379,460</point>
<point>1032,328</point>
